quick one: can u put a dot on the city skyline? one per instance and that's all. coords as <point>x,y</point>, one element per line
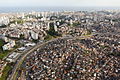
<point>59,40</point>
<point>59,3</point>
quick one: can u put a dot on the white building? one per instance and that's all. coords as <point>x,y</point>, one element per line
<point>4,20</point>
<point>71,22</point>
<point>13,57</point>
<point>12,43</point>
<point>58,23</point>
<point>34,35</point>
<point>48,26</point>
<point>23,15</point>
<point>5,47</point>
<point>55,27</point>
<point>15,35</point>
<point>9,45</point>
<point>21,48</point>
<point>30,44</point>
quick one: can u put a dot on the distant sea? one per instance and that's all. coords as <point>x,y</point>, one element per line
<point>39,9</point>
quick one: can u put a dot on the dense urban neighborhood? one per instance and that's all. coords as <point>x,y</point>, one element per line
<point>64,45</point>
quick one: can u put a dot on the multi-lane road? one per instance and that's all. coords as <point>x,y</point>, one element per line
<point>27,52</point>
<point>24,54</point>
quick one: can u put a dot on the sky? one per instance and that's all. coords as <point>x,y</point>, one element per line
<point>60,3</point>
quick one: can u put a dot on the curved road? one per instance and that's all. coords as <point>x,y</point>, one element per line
<point>18,64</point>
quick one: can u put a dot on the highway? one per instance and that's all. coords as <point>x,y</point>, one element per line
<point>24,54</point>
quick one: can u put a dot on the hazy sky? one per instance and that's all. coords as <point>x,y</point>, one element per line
<point>84,3</point>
